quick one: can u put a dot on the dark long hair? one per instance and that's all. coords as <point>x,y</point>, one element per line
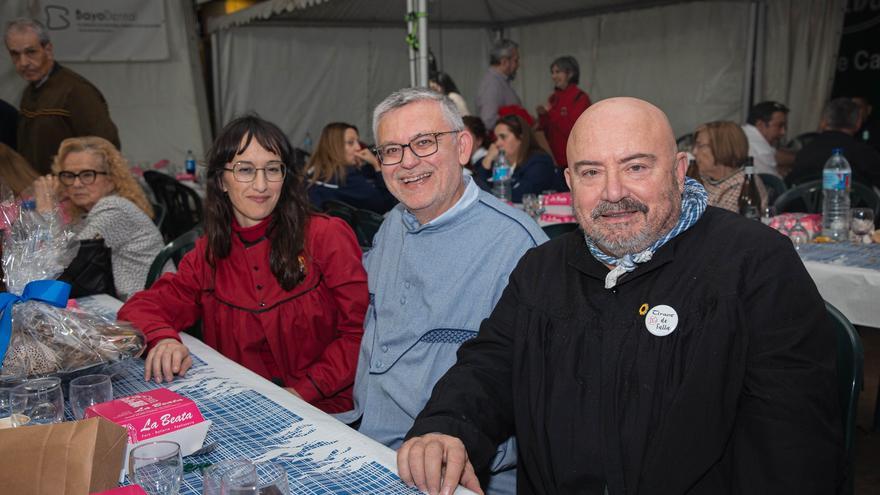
<point>528,142</point>
<point>291,215</point>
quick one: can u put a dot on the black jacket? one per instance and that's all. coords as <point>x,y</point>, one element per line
<point>809,162</point>
<point>740,398</point>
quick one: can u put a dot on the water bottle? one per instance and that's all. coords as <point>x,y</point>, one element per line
<point>835,196</point>
<point>307,144</point>
<point>190,163</point>
<point>501,178</point>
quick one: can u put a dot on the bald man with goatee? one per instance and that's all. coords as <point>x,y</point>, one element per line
<point>666,347</point>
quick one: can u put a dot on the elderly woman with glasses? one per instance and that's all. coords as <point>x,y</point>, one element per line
<point>102,198</point>
<point>278,289</point>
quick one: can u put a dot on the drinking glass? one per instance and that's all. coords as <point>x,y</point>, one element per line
<point>799,235</point>
<point>37,401</point>
<point>241,469</point>
<point>767,214</point>
<point>157,467</point>
<point>270,479</point>
<point>862,221</point>
<point>87,391</point>
<point>7,383</point>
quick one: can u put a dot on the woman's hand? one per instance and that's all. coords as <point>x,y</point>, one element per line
<point>293,391</point>
<point>167,358</point>
<point>365,155</point>
<point>543,109</point>
<point>45,188</point>
<point>491,155</point>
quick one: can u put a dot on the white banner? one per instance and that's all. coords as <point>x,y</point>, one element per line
<point>106,30</point>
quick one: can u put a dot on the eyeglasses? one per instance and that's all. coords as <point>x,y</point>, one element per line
<point>247,171</point>
<point>421,146</point>
<point>86,177</point>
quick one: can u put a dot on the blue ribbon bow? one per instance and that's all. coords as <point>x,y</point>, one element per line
<point>48,291</point>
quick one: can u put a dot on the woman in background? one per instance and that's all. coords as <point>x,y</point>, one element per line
<point>15,171</point>
<point>563,107</point>
<point>443,83</point>
<point>341,169</point>
<point>533,168</point>
<point>720,150</point>
<point>105,202</point>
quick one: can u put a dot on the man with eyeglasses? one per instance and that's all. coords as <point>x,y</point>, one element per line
<point>438,265</point>
<point>58,103</point>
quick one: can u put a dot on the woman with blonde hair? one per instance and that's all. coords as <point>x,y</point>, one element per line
<point>105,202</point>
<point>721,149</point>
<point>341,169</point>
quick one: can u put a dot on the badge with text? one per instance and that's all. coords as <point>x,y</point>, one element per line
<point>661,320</point>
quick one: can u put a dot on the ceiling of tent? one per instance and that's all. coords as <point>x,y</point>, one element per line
<point>473,13</point>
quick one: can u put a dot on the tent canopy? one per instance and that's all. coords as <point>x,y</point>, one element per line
<point>448,13</point>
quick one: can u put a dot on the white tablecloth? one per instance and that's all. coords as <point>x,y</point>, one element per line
<point>255,419</point>
<point>847,276</point>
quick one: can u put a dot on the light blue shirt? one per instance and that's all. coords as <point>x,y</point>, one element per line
<point>430,288</point>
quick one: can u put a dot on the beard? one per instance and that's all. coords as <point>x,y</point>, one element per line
<point>618,240</point>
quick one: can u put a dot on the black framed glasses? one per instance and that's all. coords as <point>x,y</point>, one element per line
<point>247,171</point>
<point>86,177</point>
<point>421,146</point>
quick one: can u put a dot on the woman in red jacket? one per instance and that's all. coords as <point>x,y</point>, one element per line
<point>565,105</point>
<point>279,290</point>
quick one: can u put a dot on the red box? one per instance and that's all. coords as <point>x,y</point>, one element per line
<point>149,414</point>
<point>124,490</point>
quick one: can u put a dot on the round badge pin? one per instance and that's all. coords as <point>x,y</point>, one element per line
<point>661,320</point>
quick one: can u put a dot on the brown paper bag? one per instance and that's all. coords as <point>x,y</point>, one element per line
<point>73,458</point>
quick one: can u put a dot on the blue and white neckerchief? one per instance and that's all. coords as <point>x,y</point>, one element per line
<point>693,204</point>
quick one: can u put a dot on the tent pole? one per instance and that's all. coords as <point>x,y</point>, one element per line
<point>749,84</point>
<point>412,53</point>
<point>423,43</point>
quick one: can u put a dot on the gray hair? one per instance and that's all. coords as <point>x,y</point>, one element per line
<point>25,23</point>
<point>501,49</point>
<point>569,65</point>
<point>841,113</point>
<point>405,96</point>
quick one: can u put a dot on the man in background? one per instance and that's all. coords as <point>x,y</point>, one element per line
<point>58,103</point>
<point>841,120</point>
<point>495,90</point>
<point>765,128</point>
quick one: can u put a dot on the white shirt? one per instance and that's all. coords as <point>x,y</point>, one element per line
<point>763,153</point>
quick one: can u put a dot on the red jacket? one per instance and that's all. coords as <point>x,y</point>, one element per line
<point>566,106</point>
<point>308,338</point>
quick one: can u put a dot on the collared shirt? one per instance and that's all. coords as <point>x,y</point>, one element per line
<point>761,151</point>
<point>430,287</point>
<point>495,92</point>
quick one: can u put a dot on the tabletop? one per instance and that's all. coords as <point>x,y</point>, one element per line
<point>848,276</point>
<point>257,420</point>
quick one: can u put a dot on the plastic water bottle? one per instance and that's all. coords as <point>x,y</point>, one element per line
<point>190,163</point>
<point>501,178</point>
<point>835,196</point>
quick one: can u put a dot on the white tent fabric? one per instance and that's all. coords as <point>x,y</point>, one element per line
<point>154,104</point>
<point>342,73</point>
<point>690,58</point>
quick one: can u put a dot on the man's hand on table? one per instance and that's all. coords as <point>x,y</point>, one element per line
<point>436,464</point>
<point>167,358</point>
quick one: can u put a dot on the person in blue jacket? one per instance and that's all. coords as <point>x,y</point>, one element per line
<point>533,169</point>
<point>341,169</point>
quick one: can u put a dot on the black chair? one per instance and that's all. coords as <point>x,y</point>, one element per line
<point>558,229</point>
<point>807,198</point>
<point>183,207</point>
<point>364,223</point>
<point>173,251</point>
<point>158,215</point>
<point>775,186</point>
<point>850,379</point>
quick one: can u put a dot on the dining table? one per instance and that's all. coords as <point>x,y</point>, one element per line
<point>847,276</point>
<point>257,420</point>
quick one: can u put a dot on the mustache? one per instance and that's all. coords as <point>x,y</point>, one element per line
<point>625,204</point>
